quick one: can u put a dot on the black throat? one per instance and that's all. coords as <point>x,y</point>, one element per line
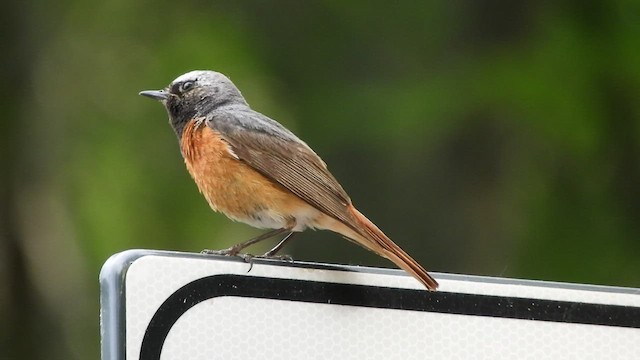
<point>179,116</point>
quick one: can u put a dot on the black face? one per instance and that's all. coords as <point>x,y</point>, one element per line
<point>182,104</point>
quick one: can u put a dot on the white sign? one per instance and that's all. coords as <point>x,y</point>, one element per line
<point>167,305</point>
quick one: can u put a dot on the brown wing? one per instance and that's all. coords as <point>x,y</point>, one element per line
<point>291,163</point>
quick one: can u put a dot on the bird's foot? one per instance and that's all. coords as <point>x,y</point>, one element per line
<point>275,257</point>
<point>246,257</point>
<point>225,252</point>
<point>250,258</point>
<point>232,251</point>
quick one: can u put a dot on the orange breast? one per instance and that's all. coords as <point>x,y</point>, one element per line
<point>233,187</point>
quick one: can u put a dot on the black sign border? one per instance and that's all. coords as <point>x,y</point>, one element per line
<point>373,296</point>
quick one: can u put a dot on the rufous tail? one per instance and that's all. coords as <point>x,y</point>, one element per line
<point>376,241</point>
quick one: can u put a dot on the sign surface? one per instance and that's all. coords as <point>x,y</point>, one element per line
<point>167,305</point>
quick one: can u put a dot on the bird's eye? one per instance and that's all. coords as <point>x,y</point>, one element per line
<point>186,86</point>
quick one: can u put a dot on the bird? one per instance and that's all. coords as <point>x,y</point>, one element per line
<point>254,170</point>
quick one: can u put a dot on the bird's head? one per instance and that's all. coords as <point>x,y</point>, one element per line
<point>194,95</point>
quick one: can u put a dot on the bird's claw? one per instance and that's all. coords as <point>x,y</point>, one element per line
<point>224,252</point>
<point>287,258</point>
<point>249,258</point>
<point>246,257</point>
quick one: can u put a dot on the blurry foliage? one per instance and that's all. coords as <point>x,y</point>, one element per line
<point>486,137</point>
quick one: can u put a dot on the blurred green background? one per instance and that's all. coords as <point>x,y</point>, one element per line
<point>488,137</point>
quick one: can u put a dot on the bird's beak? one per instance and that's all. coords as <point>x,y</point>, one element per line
<point>155,94</point>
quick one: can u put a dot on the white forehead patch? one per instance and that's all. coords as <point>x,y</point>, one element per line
<point>205,76</point>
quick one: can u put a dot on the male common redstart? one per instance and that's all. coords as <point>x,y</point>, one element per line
<point>254,170</point>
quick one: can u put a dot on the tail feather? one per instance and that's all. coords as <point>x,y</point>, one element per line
<point>384,246</point>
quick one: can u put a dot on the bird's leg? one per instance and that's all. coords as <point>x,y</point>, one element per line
<point>235,249</point>
<point>272,253</point>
